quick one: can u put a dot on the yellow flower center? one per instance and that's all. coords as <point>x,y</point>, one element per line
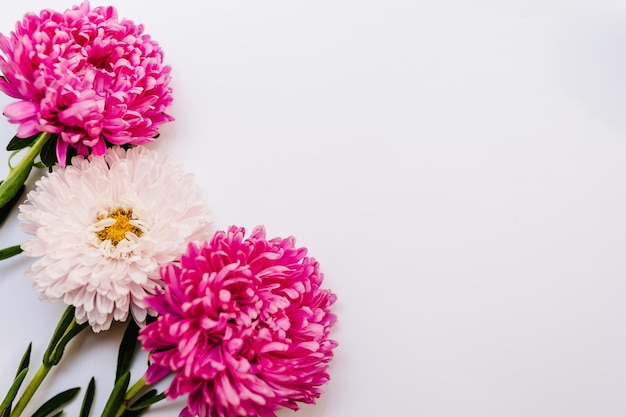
<point>117,231</point>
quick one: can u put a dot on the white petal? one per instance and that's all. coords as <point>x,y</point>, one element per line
<point>102,280</point>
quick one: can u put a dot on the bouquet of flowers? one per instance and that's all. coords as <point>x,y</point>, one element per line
<point>237,322</point>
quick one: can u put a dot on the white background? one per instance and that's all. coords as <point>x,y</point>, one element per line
<point>457,167</point>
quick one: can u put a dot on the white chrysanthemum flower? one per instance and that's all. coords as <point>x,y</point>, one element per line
<point>102,228</point>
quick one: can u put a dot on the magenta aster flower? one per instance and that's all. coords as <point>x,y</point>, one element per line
<point>243,324</point>
<point>86,76</point>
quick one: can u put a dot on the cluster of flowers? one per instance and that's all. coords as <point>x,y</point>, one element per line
<point>239,323</point>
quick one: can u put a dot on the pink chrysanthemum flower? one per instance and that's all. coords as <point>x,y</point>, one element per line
<point>85,75</point>
<point>243,324</point>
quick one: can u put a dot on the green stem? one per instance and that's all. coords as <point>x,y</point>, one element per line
<point>135,389</point>
<point>130,394</point>
<point>6,253</point>
<point>63,334</point>
<point>17,175</point>
<point>30,390</point>
<point>66,330</point>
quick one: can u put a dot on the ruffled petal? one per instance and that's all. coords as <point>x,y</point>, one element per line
<point>102,227</point>
<point>86,73</point>
<point>243,324</point>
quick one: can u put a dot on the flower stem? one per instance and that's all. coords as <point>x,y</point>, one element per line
<point>17,175</point>
<point>30,390</point>
<point>135,389</point>
<point>6,253</point>
<point>65,331</point>
<point>130,394</point>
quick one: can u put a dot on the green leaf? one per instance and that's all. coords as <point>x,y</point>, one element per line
<point>143,403</point>
<point>128,413</point>
<point>16,143</point>
<point>13,190</point>
<point>147,400</point>
<point>85,409</point>
<point>48,153</point>
<point>65,331</point>
<point>18,174</point>
<point>59,414</point>
<point>127,349</point>
<point>6,209</point>
<point>57,353</point>
<point>55,402</point>
<point>5,406</point>
<point>71,152</point>
<point>135,413</point>
<point>64,323</point>
<point>25,359</point>
<point>6,253</point>
<point>117,396</point>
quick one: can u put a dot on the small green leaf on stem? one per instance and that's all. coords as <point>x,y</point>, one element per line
<point>5,406</point>
<point>16,143</point>
<point>56,402</point>
<point>117,396</point>
<point>6,253</point>
<point>25,362</point>
<point>66,330</point>
<point>18,175</point>
<point>6,209</point>
<point>147,400</point>
<point>49,152</point>
<point>127,349</point>
<point>128,413</point>
<point>13,186</point>
<point>85,409</point>
<point>135,413</point>
<point>136,409</point>
<point>64,323</point>
<point>72,332</point>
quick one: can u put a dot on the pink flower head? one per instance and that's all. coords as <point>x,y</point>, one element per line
<point>244,324</point>
<point>86,76</point>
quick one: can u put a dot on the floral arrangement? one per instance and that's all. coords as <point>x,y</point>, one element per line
<point>238,323</point>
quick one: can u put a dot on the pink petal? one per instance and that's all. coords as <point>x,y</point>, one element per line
<point>62,152</point>
<point>27,129</point>
<point>21,110</point>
